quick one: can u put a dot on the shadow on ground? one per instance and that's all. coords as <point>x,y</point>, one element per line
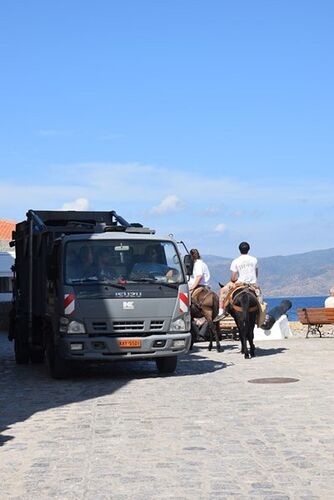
<point>27,389</point>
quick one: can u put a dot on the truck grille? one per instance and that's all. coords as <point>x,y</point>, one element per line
<point>99,326</point>
<point>134,326</point>
<point>126,328</point>
<point>156,325</point>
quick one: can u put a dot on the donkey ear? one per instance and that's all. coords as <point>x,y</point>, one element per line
<point>220,284</point>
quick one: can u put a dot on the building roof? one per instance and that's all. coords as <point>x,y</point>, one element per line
<point>6,228</point>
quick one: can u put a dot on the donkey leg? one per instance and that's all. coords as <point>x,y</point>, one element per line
<point>210,343</point>
<point>219,347</point>
<point>251,337</point>
<point>244,348</point>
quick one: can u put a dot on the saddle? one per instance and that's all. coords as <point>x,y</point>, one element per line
<point>197,291</point>
<point>196,304</point>
<point>234,292</point>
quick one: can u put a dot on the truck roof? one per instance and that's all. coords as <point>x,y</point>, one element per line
<point>117,235</point>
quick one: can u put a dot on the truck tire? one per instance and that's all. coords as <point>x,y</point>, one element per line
<point>21,352</point>
<point>166,364</point>
<point>58,367</point>
<point>36,354</point>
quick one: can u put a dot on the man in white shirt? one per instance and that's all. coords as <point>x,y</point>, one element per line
<point>329,302</point>
<point>201,274</point>
<point>244,269</point>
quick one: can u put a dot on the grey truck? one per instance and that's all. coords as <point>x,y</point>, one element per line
<point>91,287</point>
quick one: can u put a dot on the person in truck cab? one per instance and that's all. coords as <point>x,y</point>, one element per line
<point>106,269</point>
<point>154,264</point>
<point>88,266</point>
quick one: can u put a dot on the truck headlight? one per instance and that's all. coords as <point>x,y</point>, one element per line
<point>75,328</point>
<point>178,325</point>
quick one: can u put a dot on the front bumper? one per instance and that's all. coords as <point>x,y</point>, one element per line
<point>107,348</point>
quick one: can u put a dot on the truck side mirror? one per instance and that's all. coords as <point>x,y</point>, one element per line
<point>188,264</point>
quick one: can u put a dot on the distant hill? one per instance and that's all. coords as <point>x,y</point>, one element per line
<point>298,275</point>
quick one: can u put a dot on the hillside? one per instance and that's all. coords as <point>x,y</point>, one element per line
<point>297,275</point>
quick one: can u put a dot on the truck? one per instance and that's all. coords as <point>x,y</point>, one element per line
<point>91,287</point>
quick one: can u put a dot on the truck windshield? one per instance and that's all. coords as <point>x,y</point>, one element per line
<point>122,261</point>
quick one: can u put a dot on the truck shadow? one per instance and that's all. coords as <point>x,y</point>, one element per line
<point>28,389</point>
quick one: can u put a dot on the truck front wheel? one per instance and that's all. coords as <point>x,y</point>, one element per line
<point>36,354</point>
<point>21,352</point>
<point>166,364</point>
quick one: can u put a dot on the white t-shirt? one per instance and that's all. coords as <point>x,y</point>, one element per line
<point>245,266</point>
<point>200,269</point>
<point>329,302</point>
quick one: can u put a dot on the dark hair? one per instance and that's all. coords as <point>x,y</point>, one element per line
<point>244,247</point>
<point>195,253</point>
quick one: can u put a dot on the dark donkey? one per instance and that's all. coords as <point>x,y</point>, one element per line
<point>205,302</point>
<point>243,306</point>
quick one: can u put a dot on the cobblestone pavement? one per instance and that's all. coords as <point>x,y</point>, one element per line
<point>123,432</point>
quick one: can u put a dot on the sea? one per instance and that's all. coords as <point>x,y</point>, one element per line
<point>296,303</point>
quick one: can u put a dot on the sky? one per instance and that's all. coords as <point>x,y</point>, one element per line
<point>211,120</point>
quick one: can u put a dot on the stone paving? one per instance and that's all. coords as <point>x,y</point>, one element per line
<point>123,432</point>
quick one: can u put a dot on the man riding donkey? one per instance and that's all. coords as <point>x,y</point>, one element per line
<point>244,273</point>
<point>204,301</point>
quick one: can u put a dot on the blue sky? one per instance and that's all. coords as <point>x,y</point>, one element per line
<point>211,120</point>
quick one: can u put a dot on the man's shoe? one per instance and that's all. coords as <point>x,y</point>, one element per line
<point>219,317</point>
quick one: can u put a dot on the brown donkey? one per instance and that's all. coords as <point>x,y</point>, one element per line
<point>205,302</point>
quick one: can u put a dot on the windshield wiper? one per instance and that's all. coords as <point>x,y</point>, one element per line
<point>155,281</point>
<point>168,284</point>
<point>115,285</point>
<point>97,281</point>
<point>83,280</point>
<point>144,280</point>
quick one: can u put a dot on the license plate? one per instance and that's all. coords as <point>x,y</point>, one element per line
<point>129,343</point>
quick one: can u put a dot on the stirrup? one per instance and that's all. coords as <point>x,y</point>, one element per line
<point>219,317</point>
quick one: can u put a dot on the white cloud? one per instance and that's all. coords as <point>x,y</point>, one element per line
<point>78,204</point>
<point>132,189</point>
<point>220,228</point>
<point>169,204</point>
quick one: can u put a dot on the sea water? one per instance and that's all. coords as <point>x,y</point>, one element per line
<point>297,302</point>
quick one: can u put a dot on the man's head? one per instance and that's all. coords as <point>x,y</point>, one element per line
<point>331,291</point>
<point>244,247</point>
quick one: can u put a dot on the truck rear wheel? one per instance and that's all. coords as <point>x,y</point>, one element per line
<point>166,364</point>
<point>58,367</point>
<point>21,352</point>
<point>36,354</point>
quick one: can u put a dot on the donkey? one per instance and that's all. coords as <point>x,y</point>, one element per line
<point>205,303</point>
<point>243,306</point>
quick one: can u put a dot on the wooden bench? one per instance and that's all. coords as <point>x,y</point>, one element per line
<point>228,327</point>
<point>315,318</point>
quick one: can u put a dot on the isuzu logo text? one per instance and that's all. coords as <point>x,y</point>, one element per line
<point>129,295</point>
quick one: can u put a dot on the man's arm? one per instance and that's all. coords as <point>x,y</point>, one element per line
<point>196,282</point>
<point>234,276</point>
